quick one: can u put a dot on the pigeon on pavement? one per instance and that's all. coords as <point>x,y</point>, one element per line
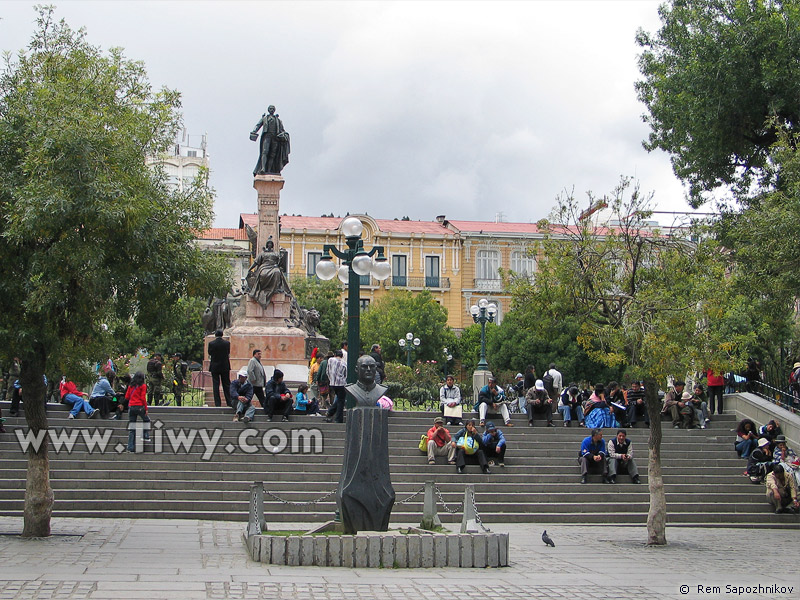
<point>546,539</point>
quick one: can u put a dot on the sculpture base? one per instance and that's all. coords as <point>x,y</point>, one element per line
<point>284,347</point>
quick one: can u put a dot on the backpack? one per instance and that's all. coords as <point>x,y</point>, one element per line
<point>794,377</point>
<point>547,380</point>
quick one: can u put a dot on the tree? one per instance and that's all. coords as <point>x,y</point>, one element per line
<point>721,79</point>
<point>652,304</point>
<point>325,296</point>
<point>525,337</point>
<point>88,233</point>
<point>399,312</point>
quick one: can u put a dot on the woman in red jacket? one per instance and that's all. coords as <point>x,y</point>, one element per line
<point>136,395</point>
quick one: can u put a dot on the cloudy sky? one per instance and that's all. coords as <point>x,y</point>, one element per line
<point>467,109</point>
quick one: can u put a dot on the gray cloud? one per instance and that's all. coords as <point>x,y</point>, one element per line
<point>419,109</point>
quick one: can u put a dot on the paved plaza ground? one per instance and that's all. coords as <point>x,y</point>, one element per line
<point>172,559</point>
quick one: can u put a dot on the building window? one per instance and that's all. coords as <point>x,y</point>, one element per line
<point>399,272</point>
<point>312,259</point>
<point>523,264</point>
<point>363,303</point>
<point>192,153</point>
<point>432,271</point>
<point>488,264</point>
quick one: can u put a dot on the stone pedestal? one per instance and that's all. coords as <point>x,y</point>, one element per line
<point>265,329</point>
<point>269,192</point>
<point>479,379</point>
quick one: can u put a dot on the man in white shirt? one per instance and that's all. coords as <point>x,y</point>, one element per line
<point>337,374</point>
<point>558,381</point>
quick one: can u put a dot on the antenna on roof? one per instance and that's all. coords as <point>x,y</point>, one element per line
<point>499,217</point>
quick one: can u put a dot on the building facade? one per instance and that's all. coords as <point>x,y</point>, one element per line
<point>459,262</point>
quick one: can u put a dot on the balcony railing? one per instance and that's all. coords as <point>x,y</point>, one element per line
<point>488,284</point>
<point>442,283</point>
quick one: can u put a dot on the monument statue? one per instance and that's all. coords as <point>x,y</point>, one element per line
<point>219,311</point>
<point>365,495</point>
<point>267,275</point>
<point>274,147</point>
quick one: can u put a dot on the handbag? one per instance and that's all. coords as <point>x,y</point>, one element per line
<point>468,444</point>
<point>423,443</point>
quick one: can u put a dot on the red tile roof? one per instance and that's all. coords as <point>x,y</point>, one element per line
<point>332,223</point>
<point>492,227</point>
<point>221,233</point>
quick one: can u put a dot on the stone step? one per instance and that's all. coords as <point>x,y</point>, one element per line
<point>702,475</point>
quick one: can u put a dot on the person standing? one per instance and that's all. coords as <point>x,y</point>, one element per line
<point>556,382</point>
<point>716,386</point>
<point>376,354</point>
<point>11,393</point>
<point>337,375</point>
<point>136,395</point>
<point>155,379</point>
<point>179,372</point>
<point>257,378</point>
<point>219,353</point>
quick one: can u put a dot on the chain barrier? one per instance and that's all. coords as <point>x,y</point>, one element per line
<point>444,504</point>
<point>411,497</point>
<point>281,500</point>
<point>478,516</point>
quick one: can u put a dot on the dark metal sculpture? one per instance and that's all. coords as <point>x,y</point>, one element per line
<point>365,495</point>
<point>267,275</point>
<point>274,147</point>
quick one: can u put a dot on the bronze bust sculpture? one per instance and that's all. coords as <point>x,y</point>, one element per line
<point>365,393</point>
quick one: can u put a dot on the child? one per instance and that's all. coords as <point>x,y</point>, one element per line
<point>136,395</point>
<point>303,405</point>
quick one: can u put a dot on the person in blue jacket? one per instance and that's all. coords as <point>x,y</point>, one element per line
<point>593,455</point>
<point>494,445</point>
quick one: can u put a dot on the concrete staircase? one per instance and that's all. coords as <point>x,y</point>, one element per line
<point>540,483</point>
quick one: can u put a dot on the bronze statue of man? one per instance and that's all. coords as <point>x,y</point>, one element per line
<point>365,392</point>
<point>274,148</point>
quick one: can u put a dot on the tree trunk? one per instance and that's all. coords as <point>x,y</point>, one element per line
<point>657,515</point>
<point>38,493</point>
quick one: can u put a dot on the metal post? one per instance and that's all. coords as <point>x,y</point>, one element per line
<point>482,364</point>
<point>353,312</point>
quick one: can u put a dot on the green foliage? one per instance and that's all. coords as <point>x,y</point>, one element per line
<point>325,296</point>
<point>721,78</point>
<point>649,305</point>
<point>468,346</point>
<point>537,338</point>
<point>89,234</point>
<point>399,312</point>
<point>181,332</point>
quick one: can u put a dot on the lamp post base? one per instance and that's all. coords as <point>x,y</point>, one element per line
<point>480,378</point>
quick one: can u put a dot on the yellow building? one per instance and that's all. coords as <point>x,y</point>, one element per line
<point>458,261</point>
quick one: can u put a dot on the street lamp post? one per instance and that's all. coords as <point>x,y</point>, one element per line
<point>409,344</point>
<point>447,358</point>
<point>483,313</point>
<point>355,262</point>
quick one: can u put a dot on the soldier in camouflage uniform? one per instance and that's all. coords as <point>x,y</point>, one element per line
<point>155,380</point>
